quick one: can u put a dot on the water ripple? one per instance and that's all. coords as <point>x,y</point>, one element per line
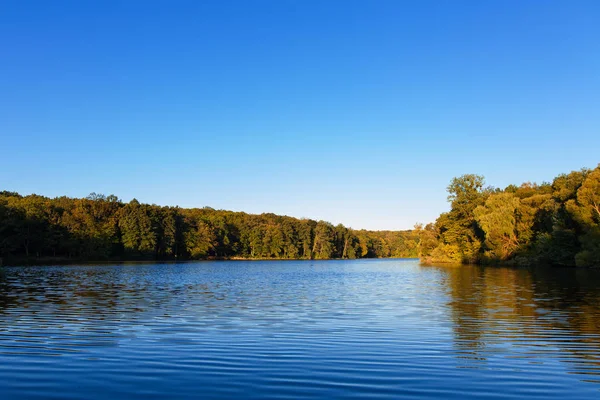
<point>330,329</point>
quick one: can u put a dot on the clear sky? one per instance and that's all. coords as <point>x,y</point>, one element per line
<point>355,112</point>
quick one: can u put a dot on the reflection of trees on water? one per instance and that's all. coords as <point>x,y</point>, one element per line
<point>94,292</point>
<point>99,304</point>
<point>534,311</point>
<point>95,305</point>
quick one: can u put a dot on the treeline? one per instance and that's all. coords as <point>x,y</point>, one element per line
<point>554,223</point>
<point>105,228</point>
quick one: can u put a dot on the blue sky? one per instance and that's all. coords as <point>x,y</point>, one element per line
<point>355,112</point>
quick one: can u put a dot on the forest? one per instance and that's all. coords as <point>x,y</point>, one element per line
<point>38,229</point>
<point>554,223</point>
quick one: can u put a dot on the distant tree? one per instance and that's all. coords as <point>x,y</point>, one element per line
<point>323,246</point>
<point>136,228</point>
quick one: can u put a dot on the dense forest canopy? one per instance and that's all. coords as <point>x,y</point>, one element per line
<point>554,223</point>
<point>102,227</point>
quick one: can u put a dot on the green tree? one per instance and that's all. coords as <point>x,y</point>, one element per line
<point>199,238</point>
<point>498,220</point>
<point>460,237</point>
<point>323,247</point>
<point>585,209</point>
<point>136,228</point>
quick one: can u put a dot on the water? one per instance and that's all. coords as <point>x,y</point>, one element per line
<point>299,329</point>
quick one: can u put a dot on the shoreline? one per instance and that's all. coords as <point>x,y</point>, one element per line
<point>56,261</point>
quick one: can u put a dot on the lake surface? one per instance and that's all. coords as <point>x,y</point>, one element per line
<point>299,329</point>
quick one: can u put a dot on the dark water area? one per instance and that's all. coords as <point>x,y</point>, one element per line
<point>299,329</point>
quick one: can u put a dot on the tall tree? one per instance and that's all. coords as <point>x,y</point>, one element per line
<point>136,228</point>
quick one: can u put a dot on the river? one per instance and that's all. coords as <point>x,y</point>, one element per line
<point>299,329</point>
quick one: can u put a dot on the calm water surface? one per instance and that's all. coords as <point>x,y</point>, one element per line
<point>306,329</point>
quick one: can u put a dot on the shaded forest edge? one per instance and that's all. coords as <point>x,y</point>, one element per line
<point>554,223</point>
<point>40,230</point>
